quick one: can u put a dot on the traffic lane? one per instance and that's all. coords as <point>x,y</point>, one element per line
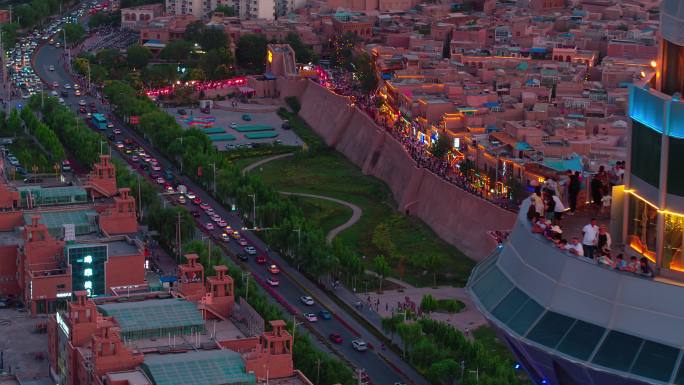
<point>374,366</point>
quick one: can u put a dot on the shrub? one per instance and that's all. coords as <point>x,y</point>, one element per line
<point>293,103</point>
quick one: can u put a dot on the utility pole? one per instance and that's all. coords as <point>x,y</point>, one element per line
<point>139,199</point>
<point>178,237</point>
<point>6,87</point>
<point>213,165</point>
<point>318,371</point>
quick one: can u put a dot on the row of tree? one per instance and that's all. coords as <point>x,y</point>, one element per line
<point>445,356</point>
<point>43,134</point>
<point>317,365</point>
<point>76,137</point>
<point>31,14</point>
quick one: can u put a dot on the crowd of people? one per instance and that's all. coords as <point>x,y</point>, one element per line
<point>594,243</point>
<point>418,149</point>
<point>106,37</point>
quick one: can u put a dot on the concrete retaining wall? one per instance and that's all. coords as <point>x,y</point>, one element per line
<point>458,217</point>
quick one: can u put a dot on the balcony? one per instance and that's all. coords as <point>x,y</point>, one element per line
<point>657,111</point>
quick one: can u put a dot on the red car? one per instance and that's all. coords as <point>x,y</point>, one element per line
<point>261,259</point>
<point>336,338</point>
<point>197,201</point>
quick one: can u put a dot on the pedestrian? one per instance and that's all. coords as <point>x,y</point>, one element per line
<point>596,191</point>
<point>590,238</point>
<point>537,201</point>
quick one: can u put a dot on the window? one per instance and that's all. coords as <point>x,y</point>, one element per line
<point>655,361</point>
<point>618,351</point>
<point>642,225</point>
<point>550,329</point>
<point>673,235</point>
<point>675,182</point>
<point>646,153</point>
<point>581,340</point>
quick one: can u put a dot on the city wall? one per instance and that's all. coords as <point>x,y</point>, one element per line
<point>456,216</point>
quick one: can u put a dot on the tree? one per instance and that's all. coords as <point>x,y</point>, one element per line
<point>226,10</point>
<point>433,263</point>
<point>176,50</point>
<point>193,31</point>
<point>293,103</point>
<point>365,72</point>
<point>382,268</point>
<point>9,34</point>
<point>251,53</point>
<point>212,61</point>
<point>138,56</point>
<point>303,53</point>
<point>410,334</point>
<point>428,303</point>
<point>391,324</point>
<point>74,32</point>
<point>444,372</point>
<point>213,38</point>
<point>108,57</point>
<point>14,123</point>
<point>341,50</point>
<point>441,147</point>
<point>197,74</point>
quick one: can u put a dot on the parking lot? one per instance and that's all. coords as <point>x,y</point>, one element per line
<point>24,346</point>
<point>262,122</point>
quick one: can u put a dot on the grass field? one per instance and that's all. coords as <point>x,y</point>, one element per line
<point>329,173</point>
<point>327,214</point>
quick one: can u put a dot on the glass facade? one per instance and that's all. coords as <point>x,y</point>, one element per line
<point>646,153</point>
<point>673,68</point>
<point>675,175</point>
<point>642,226</point>
<point>673,235</point>
<point>87,268</point>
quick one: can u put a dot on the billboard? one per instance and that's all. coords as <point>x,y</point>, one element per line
<point>87,267</point>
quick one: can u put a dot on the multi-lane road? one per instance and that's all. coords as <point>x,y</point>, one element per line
<point>374,361</point>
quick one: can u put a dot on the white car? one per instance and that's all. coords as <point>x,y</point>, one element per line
<point>272,281</point>
<point>209,226</point>
<point>51,68</point>
<point>81,102</point>
<point>359,345</point>
<point>190,195</point>
<point>233,125</point>
<point>67,86</point>
<point>306,300</point>
<point>311,317</point>
<point>225,237</point>
<point>250,250</point>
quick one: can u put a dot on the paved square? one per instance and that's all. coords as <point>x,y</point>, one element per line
<point>264,121</point>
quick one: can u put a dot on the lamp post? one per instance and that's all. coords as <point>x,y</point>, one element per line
<point>253,209</point>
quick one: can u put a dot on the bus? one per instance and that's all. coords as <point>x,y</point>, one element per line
<point>99,121</point>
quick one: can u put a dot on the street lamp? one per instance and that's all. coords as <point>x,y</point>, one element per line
<point>253,209</point>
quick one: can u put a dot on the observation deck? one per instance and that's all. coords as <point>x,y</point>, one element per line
<point>570,321</point>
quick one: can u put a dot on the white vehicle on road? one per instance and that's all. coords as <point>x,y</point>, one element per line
<point>359,345</point>
<point>306,300</point>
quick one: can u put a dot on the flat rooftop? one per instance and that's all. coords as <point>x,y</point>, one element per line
<point>213,367</point>
<point>131,377</point>
<point>22,347</point>
<point>154,318</point>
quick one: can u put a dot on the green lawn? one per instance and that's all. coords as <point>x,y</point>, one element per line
<point>327,214</point>
<point>327,172</point>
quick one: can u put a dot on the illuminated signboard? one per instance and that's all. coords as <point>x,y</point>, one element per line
<point>63,295</point>
<point>457,142</point>
<point>88,267</point>
<point>62,324</point>
<point>270,57</point>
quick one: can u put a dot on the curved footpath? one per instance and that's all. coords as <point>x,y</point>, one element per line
<point>356,210</point>
<point>356,213</point>
<point>263,161</point>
